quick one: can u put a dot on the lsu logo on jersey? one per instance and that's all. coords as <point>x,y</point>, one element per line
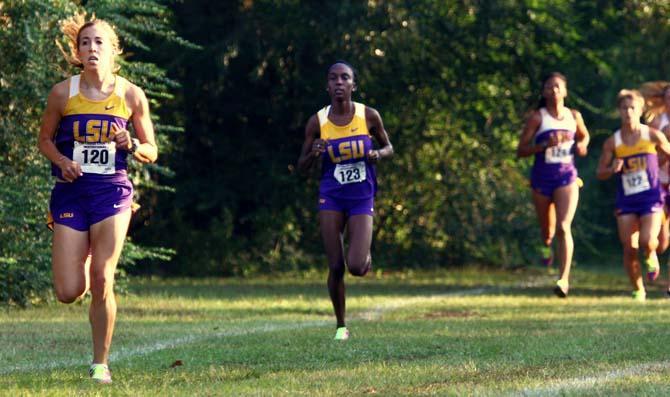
<point>347,150</point>
<point>93,131</point>
<point>633,164</point>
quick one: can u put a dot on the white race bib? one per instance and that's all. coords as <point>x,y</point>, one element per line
<point>95,158</point>
<point>350,173</point>
<point>635,182</point>
<point>559,154</point>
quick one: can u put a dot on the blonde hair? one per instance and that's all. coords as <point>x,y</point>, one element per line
<point>72,28</point>
<point>654,98</point>
<point>634,95</point>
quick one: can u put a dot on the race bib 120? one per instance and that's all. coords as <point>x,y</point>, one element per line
<point>95,158</point>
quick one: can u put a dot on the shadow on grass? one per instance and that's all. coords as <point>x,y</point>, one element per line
<point>306,291</point>
<point>317,291</point>
<point>531,282</point>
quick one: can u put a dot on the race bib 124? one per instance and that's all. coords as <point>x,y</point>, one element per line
<point>561,153</point>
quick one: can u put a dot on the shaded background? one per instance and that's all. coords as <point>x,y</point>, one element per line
<point>233,83</point>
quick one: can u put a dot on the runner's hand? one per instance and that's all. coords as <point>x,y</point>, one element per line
<point>122,137</point>
<point>70,170</point>
<point>580,149</point>
<point>617,166</point>
<point>318,147</point>
<point>373,156</point>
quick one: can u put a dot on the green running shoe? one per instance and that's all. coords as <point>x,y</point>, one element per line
<point>342,333</point>
<point>653,268</point>
<point>546,255</point>
<point>100,373</point>
<point>640,295</point>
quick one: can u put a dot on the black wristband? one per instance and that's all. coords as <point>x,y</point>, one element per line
<point>136,144</point>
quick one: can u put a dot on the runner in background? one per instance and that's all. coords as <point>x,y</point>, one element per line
<point>657,101</point>
<point>341,135</point>
<point>553,134</point>
<point>631,155</point>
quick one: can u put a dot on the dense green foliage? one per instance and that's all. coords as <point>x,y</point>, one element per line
<point>30,64</point>
<point>452,80</point>
<point>27,34</point>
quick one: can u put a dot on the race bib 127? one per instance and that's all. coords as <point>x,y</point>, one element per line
<point>635,182</point>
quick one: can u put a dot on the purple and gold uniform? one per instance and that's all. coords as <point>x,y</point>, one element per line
<point>555,166</point>
<point>638,187</point>
<point>348,181</point>
<point>664,170</point>
<point>84,135</point>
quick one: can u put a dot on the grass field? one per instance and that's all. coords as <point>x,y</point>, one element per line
<point>464,332</point>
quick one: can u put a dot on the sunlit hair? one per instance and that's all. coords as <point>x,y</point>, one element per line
<point>654,98</point>
<point>543,101</point>
<point>630,94</point>
<point>72,28</point>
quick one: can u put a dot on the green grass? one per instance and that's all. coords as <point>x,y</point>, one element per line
<point>459,332</point>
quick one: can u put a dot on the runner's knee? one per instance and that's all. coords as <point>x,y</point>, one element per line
<point>358,271</point>
<point>563,229</point>
<point>648,243</point>
<point>69,294</point>
<point>359,267</point>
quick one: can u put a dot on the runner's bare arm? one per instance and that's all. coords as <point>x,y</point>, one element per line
<point>50,119</point>
<point>582,137</point>
<point>377,130</point>
<point>312,147</point>
<point>661,141</point>
<point>526,145</point>
<point>607,167</point>
<point>147,150</point>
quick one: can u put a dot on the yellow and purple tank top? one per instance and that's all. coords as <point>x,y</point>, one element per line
<point>84,133</point>
<point>556,162</point>
<point>664,171</point>
<point>346,173</point>
<point>637,183</point>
